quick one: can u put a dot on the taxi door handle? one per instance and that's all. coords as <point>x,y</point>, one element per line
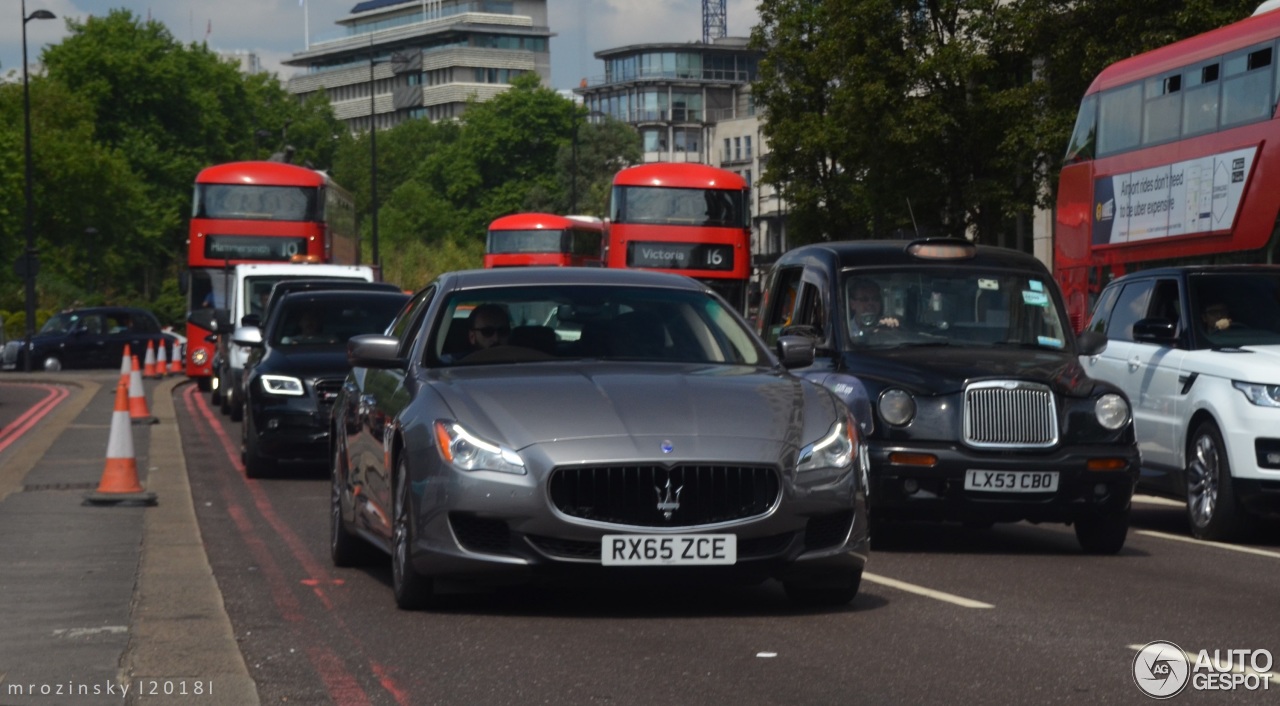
<point>1134,363</point>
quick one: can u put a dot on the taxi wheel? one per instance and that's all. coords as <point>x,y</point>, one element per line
<point>1103,533</point>
<point>1212,508</point>
<point>412,590</point>
<point>827,594</point>
<point>345,549</point>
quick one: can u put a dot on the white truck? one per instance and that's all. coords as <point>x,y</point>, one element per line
<point>248,288</point>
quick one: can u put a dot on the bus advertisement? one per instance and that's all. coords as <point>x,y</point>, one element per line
<point>255,212</point>
<point>530,239</point>
<point>1172,162</point>
<point>685,218</point>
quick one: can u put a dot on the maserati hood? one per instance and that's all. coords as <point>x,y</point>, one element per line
<point>550,402</point>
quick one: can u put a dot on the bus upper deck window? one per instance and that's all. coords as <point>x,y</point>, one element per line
<point>1081,148</point>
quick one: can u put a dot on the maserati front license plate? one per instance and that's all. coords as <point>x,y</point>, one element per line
<point>668,549</point>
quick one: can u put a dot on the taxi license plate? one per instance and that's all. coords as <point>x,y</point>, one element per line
<point>668,549</point>
<point>1012,481</point>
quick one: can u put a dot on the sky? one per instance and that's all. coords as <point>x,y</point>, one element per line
<point>275,29</point>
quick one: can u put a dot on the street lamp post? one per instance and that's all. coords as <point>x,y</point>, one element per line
<point>29,266</point>
<point>373,162</point>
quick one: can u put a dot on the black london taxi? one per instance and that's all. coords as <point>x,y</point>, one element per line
<point>959,364</point>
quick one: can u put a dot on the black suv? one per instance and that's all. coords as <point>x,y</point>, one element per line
<point>959,364</point>
<point>296,367</point>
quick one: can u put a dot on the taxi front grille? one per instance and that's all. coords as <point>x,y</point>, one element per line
<point>1010,414</point>
<point>685,495</point>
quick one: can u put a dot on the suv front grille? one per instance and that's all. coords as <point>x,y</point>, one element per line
<point>327,389</point>
<point>686,495</point>
<point>1010,414</point>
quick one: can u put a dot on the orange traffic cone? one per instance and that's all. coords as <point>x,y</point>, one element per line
<point>138,410</point>
<point>175,366</point>
<point>162,360</point>
<point>149,361</point>
<point>126,365</point>
<point>120,475</point>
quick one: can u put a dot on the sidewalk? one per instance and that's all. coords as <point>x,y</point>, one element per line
<point>98,602</point>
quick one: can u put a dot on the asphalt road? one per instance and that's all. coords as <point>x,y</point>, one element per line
<point>1014,614</point>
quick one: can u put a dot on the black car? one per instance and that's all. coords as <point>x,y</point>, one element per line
<point>92,337</point>
<point>958,361</point>
<point>296,368</point>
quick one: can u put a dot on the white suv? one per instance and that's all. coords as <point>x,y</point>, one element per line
<point>1197,350</point>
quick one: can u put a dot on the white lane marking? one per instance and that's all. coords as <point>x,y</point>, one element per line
<point>1235,667</point>
<point>926,592</point>
<point>766,655</point>
<point>87,632</point>
<point>1153,500</point>
<point>1219,545</point>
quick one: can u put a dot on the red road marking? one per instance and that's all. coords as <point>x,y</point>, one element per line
<point>32,416</point>
<point>341,685</point>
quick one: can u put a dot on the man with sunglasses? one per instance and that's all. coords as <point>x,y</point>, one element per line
<point>489,325</point>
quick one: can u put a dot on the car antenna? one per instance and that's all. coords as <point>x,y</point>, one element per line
<point>913,217</point>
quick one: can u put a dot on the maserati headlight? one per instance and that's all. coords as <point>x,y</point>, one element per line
<point>469,452</point>
<point>1261,395</point>
<point>281,385</point>
<point>1112,411</point>
<point>897,407</point>
<point>835,450</point>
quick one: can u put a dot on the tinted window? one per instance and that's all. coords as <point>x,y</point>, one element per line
<point>782,301</point>
<point>1130,307</point>
<point>1102,311</point>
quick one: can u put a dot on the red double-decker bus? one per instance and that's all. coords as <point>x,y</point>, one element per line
<point>527,239</point>
<point>686,218</point>
<point>252,212</point>
<point>1175,159</point>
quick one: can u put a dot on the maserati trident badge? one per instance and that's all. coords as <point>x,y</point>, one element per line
<point>668,498</point>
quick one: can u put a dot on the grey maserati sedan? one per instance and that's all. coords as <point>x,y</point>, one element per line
<point>530,424</point>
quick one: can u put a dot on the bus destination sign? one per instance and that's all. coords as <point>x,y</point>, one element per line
<point>680,256</point>
<point>250,247</point>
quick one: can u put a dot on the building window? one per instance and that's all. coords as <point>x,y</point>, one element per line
<point>737,148</point>
<point>746,144</point>
<point>728,154</point>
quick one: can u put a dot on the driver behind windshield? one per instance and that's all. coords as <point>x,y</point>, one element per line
<point>866,307</point>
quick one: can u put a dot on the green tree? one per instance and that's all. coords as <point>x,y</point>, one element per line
<point>439,185</point>
<point>949,117</point>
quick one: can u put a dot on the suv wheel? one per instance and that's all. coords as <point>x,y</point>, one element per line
<point>1103,533</point>
<point>1212,508</point>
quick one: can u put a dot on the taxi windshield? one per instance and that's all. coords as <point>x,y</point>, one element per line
<point>955,306</point>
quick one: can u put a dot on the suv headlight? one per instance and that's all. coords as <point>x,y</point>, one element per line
<point>282,385</point>
<point>835,450</point>
<point>897,407</point>
<point>1112,411</point>
<point>469,452</point>
<point>1261,395</point>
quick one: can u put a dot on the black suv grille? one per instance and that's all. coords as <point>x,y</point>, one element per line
<point>686,495</point>
<point>327,389</point>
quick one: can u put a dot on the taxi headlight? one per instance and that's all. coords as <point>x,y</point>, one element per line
<point>1261,395</point>
<point>466,451</point>
<point>897,407</point>
<point>835,450</point>
<point>1112,411</point>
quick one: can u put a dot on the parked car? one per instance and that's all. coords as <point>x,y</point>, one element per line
<point>644,434</point>
<point>92,337</point>
<point>1198,350</point>
<point>957,361</point>
<point>296,367</point>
